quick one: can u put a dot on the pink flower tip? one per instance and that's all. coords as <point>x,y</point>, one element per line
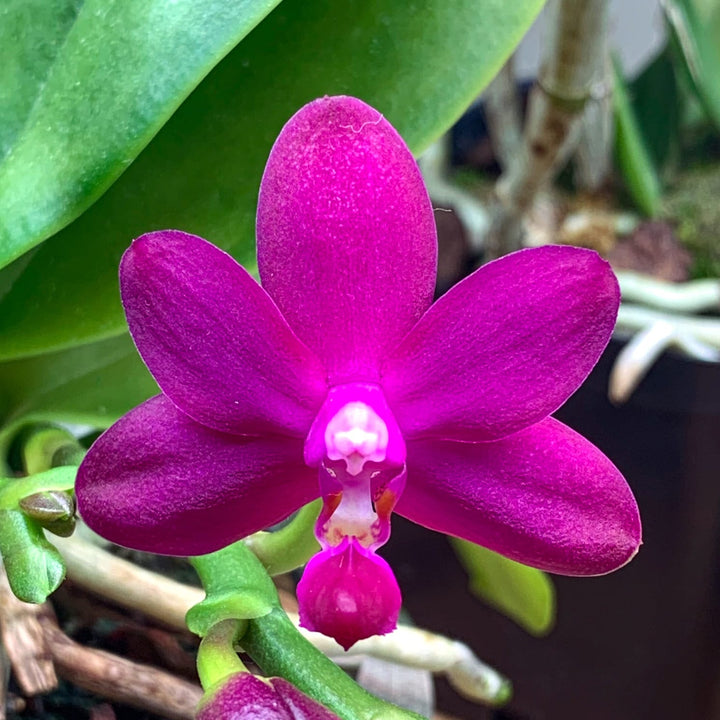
<point>348,593</point>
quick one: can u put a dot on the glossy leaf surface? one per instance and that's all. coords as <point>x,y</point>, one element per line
<point>84,85</point>
<point>202,172</point>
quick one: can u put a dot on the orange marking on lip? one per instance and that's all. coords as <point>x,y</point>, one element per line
<point>384,503</point>
<point>331,502</point>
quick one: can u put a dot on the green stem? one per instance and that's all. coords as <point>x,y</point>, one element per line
<point>275,644</point>
<point>290,547</point>
<point>217,657</point>
<point>238,586</point>
<point>12,490</point>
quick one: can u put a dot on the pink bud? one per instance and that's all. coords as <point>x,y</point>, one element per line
<point>245,697</point>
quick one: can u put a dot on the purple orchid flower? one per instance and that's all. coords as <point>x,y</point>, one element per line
<point>339,378</point>
<point>243,696</point>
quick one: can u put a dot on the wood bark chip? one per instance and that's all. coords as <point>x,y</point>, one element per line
<point>121,680</point>
<point>25,644</point>
<point>39,651</point>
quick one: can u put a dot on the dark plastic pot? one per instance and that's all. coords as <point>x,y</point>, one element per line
<point>642,643</point>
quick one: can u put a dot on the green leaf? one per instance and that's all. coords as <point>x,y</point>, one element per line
<point>34,567</point>
<point>93,384</point>
<point>201,173</point>
<point>524,594</point>
<point>696,30</point>
<point>633,158</point>
<point>85,85</point>
<point>656,102</point>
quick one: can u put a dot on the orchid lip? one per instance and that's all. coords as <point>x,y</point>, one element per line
<point>348,593</point>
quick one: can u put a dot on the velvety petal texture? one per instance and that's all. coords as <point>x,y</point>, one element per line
<point>346,235</point>
<point>158,481</point>
<point>545,497</point>
<point>505,347</point>
<point>245,697</point>
<point>214,341</point>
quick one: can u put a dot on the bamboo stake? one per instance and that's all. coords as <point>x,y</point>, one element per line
<point>502,114</point>
<point>575,51</point>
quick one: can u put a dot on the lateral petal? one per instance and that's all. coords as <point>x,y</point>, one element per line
<point>160,482</point>
<point>213,339</point>
<point>505,347</point>
<point>545,497</point>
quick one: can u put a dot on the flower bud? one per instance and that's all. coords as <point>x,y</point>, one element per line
<point>52,509</point>
<point>243,696</point>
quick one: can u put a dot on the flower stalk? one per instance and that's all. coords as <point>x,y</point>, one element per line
<point>48,446</point>
<point>13,490</point>
<point>217,657</point>
<point>239,588</point>
<point>275,644</point>
<point>290,547</point>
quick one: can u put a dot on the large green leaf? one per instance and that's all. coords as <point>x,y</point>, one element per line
<point>524,594</point>
<point>84,85</point>
<point>420,64</point>
<point>92,384</point>
<point>696,30</point>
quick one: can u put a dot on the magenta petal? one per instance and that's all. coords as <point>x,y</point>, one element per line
<point>346,235</point>
<point>214,341</point>
<point>300,705</point>
<point>243,696</point>
<point>505,347</point>
<point>545,497</point>
<point>158,481</point>
<point>348,593</point>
